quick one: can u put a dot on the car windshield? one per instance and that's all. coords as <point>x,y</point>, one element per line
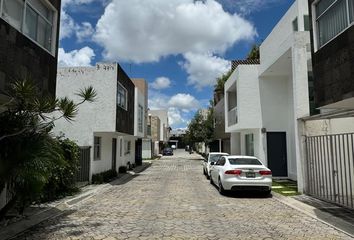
<point>244,161</point>
<point>215,157</point>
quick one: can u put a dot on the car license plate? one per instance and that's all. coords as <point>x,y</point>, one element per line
<point>250,175</point>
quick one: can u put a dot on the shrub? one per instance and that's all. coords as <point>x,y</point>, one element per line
<point>61,181</point>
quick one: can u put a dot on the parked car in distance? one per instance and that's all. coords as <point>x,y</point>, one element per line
<point>167,152</point>
<point>231,173</point>
<point>211,157</point>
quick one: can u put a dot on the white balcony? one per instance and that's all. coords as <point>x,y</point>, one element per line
<point>232,117</point>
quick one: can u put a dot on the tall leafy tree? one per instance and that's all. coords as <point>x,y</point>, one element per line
<point>253,53</point>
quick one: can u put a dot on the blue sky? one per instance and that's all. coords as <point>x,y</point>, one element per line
<point>178,46</point>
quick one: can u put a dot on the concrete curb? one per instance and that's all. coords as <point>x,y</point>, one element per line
<point>326,218</point>
<point>64,205</point>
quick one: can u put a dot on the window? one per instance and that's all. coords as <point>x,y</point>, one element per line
<point>244,161</point>
<point>127,146</point>
<point>332,17</point>
<point>120,147</point>
<point>12,12</point>
<point>140,118</point>
<point>249,144</point>
<point>221,161</point>
<point>34,18</point>
<point>97,148</point>
<point>122,97</point>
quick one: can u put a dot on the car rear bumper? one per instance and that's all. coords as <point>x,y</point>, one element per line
<point>261,185</point>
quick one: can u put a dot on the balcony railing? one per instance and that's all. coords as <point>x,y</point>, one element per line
<point>232,117</point>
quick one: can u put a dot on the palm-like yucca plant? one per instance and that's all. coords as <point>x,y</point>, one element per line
<point>28,152</point>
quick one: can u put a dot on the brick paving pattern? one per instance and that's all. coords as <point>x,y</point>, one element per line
<point>173,200</point>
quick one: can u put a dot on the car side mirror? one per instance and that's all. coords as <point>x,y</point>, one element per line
<point>212,163</point>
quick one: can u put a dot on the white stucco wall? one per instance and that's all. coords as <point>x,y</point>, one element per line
<point>99,116</point>
<point>248,98</point>
<point>139,100</point>
<point>146,149</point>
<point>235,143</point>
<point>280,39</point>
<point>329,126</point>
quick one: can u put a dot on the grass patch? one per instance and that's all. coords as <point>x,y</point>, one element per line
<point>285,187</point>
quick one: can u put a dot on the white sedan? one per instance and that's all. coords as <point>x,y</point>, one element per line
<point>212,157</point>
<point>231,173</point>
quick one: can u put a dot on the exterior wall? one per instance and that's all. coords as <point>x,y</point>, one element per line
<point>147,151</point>
<point>219,118</point>
<point>333,68</point>
<point>155,128</point>
<point>142,85</point>
<point>329,126</point>
<point>279,40</point>
<point>248,98</point>
<point>125,118</point>
<point>235,142</point>
<point>164,125</point>
<point>139,100</point>
<point>259,148</point>
<point>21,57</point>
<point>103,78</point>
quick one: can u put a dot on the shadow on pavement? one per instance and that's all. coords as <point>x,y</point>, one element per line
<point>245,194</point>
<point>130,175</point>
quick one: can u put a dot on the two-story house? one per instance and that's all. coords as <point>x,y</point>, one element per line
<point>107,124</point>
<point>160,129</point>
<point>143,143</point>
<point>263,101</point>
<point>328,149</point>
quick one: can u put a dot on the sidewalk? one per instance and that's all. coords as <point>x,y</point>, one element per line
<point>336,216</point>
<point>37,214</point>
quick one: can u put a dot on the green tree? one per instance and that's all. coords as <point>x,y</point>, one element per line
<point>201,128</point>
<point>253,53</point>
<point>220,81</point>
<point>28,151</point>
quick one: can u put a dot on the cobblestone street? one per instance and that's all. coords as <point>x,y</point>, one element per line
<point>173,200</point>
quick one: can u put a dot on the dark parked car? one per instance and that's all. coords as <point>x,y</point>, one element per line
<point>167,151</point>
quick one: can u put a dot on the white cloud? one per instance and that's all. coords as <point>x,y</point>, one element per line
<point>179,106</point>
<point>85,31</point>
<point>68,26</point>
<point>161,83</point>
<point>145,31</point>
<point>82,57</point>
<point>245,7</point>
<point>203,69</point>
<point>175,117</point>
<point>184,102</point>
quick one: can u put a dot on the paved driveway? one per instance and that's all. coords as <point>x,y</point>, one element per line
<point>173,200</point>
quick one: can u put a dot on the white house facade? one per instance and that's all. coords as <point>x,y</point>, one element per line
<point>263,102</point>
<point>99,124</point>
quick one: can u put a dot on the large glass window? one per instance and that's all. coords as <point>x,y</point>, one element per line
<point>32,17</point>
<point>332,17</point>
<point>122,97</point>
<point>13,12</point>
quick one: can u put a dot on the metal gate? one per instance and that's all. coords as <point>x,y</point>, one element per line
<point>330,168</point>
<point>83,175</point>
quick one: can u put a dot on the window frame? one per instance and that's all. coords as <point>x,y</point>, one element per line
<point>127,147</point>
<point>97,146</point>
<point>315,23</point>
<point>126,97</point>
<point>54,24</point>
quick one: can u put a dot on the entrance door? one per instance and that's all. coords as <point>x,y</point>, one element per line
<point>138,152</point>
<point>276,153</point>
<point>114,154</point>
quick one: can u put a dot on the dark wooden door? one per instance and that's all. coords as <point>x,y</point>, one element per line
<point>276,153</point>
<point>114,154</point>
